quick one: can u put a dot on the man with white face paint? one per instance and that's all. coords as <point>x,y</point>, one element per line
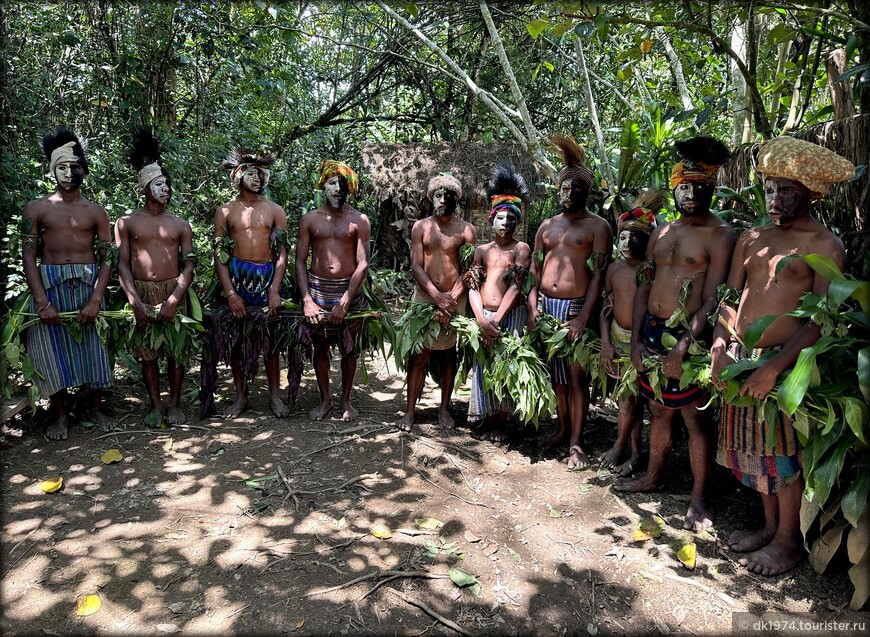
<point>795,173</point>
<point>71,276</point>
<point>435,243</point>
<point>568,289</point>
<point>338,238</point>
<point>152,245</point>
<point>495,292</point>
<point>634,227</point>
<point>253,276</point>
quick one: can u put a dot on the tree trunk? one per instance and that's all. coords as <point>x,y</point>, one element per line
<point>841,92</point>
<point>739,113</point>
<point>676,69</point>
<point>782,58</point>
<point>593,114</point>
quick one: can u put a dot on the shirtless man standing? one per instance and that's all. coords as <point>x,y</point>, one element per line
<point>620,286</point>
<point>151,243</point>
<point>697,246</point>
<point>68,278</point>
<point>254,273</point>
<point>795,173</point>
<point>435,243</point>
<point>495,291</point>
<point>564,284</point>
<point>339,239</point>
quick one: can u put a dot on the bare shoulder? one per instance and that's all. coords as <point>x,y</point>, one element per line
<point>179,222</point>
<point>828,244</point>
<point>522,248</point>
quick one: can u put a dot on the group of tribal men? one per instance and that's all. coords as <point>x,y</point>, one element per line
<point>629,300</point>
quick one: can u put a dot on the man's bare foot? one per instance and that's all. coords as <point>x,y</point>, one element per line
<point>154,418</point>
<point>348,413</point>
<point>698,517</point>
<point>237,407</point>
<point>319,412</point>
<point>278,407</point>
<point>175,416</point>
<point>498,434</point>
<point>577,458</point>
<point>556,440</point>
<point>640,484</point>
<point>628,467</point>
<point>102,420</point>
<point>406,422</point>
<point>446,420</point>
<point>610,457</point>
<point>749,540</point>
<point>774,559</point>
<point>57,430</point>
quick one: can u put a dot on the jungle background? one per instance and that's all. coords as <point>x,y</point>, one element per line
<point>317,80</point>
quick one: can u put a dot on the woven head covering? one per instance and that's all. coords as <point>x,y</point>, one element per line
<point>701,159</point>
<point>330,168</point>
<point>506,190</point>
<point>642,217</point>
<point>444,181</point>
<point>814,166</point>
<point>574,157</point>
<point>145,157</point>
<point>64,145</point>
<point>240,160</point>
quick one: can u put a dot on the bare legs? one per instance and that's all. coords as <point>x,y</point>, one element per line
<point>58,427</point>
<point>628,429</point>
<point>447,364</point>
<point>777,547</point>
<point>572,407</point>
<point>349,365</point>
<point>151,377</point>
<point>273,377</point>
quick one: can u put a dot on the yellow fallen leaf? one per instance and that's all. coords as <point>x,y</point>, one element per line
<point>381,532</point>
<point>88,605</point>
<point>686,555</point>
<point>51,485</point>
<point>112,455</point>
<point>646,46</point>
<point>299,623</point>
<point>648,528</point>
<point>428,523</point>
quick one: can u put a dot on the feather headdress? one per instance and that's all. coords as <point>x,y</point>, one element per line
<point>506,190</point>
<point>145,157</point>
<point>240,159</point>
<point>642,216</point>
<point>701,158</point>
<point>574,158</point>
<point>64,144</point>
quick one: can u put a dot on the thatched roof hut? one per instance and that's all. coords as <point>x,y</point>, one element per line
<point>398,174</point>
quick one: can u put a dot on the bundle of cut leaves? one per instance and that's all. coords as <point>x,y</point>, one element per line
<point>550,340</point>
<point>826,394</point>
<point>696,368</point>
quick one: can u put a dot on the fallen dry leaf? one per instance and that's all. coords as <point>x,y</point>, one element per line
<point>470,537</point>
<point>648,528</point>
<point>428,523</point>
<point>381,532</point>
<point>112,456</point>
<point>178,607</point>
<point>298,623</point>
<point>51,485</point>
<point>686,555</point>
<point>88,605</point>
<point>168,628</point>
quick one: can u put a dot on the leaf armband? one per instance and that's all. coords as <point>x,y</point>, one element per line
<point>646,273</point>
<point>280,237</point>
<point>466,256</point>
<point>516,274</point>
<point>538,258</point>
<point>474,277</point>
<point>111,250</point>
<point>727,295</point>
<point>597,261</point>
<point>223,248</point>
<point>607,297</point>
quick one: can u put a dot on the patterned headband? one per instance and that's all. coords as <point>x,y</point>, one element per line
<point>330,168</point>
<point>506,202</point>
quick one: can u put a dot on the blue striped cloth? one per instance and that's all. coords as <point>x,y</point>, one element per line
<point>564,310</point>
<point>482,403</point>
<point>63,361</point>
<point>251,280</point>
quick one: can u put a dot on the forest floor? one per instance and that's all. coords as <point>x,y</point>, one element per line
<point>194,531</point>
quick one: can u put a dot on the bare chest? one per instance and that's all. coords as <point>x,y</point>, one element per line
<point>436,240</point>
<point>682,248</point>
<point>249,218</point>
<point>338,229</point>
<point>568,236</point>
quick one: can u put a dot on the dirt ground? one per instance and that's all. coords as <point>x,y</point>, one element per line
<point>195,531</point>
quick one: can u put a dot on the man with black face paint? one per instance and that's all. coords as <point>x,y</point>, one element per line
<point>495,283</point>
<point>255,272</point>
<point>696,248</point>
<point>339,239</point>
<point>151,244</point>
<point>620,286</point>
<point>566,288</point>
<point>435,243</point>
<point>795,173</point>
<point>71,276</point>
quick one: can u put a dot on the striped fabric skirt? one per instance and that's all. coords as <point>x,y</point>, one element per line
<point>672,396</point>
<point>563,310</point>
<point>62,360</point>
<point>154,293</point>
<point>482,403</point>
<point>251,280</point>
<point>327,293</point>
<point>743,442</point>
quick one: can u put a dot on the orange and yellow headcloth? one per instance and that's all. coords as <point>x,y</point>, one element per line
<point>330,168</point>
<point>701,159</point>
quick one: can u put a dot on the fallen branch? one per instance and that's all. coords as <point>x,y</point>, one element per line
<point>687,580</point>
<point>415,602</point>
<point>290,490</point>
<point>375,575</point>
<point>458,497</point>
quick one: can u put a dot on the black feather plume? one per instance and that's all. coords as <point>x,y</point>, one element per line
<point>704,150</point>
<point>145,148</point>
<point>240,156</point>
<point>506,180</point>
<point>61,136</point>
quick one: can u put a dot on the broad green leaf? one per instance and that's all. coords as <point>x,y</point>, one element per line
<point>827,470</point>
<point>669,340</point>
<point>754,331</point>
<point>854,500</point>
<point>793,388</point>
<point>856,414</point>
<point>464,579</point>
<point>536,27</point>
<point>841,289</point>
<point>864,372</point>
<point>823,265</point>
